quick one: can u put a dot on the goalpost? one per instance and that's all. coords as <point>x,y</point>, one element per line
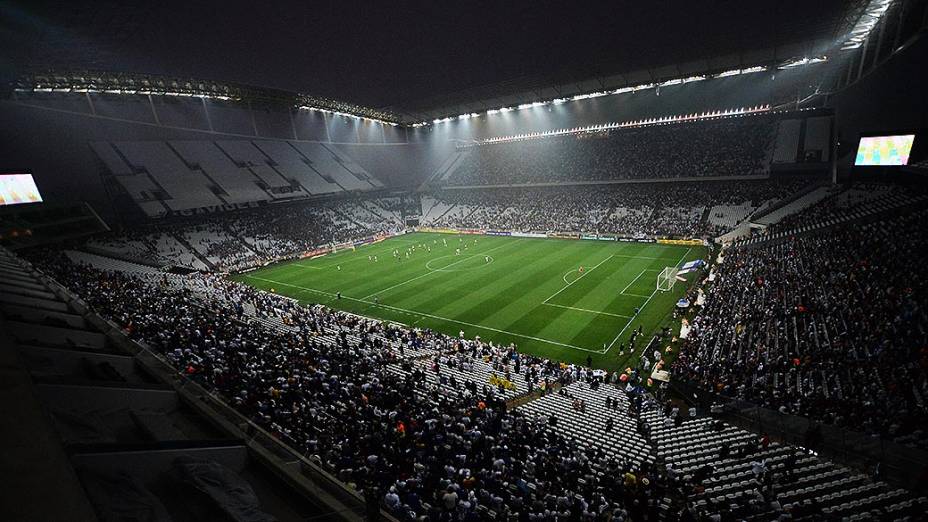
<point>667,278</point>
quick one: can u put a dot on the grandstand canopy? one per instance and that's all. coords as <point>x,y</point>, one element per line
<point>421,59</point>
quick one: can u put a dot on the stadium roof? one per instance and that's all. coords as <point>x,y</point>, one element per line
<point>415,61</point>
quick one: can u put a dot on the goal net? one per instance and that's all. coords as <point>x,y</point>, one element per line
<point>667,278</point>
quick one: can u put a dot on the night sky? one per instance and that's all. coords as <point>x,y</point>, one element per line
<point>399,54</point>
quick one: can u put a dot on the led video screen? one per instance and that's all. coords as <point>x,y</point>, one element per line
<point>884,150</point>
<point>18,188</point>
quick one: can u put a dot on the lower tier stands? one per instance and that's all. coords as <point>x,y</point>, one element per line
<point>410,418</point>
<point>253,237</point>
<point>104,433</point>
<point>828,325</point>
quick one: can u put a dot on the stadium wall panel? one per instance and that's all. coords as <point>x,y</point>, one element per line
<point>342,129</point>
<point>310,126</point>
<point>230,118</point>
<point>119,106</point>
<point>180,112</point>
<point>370,132</point>
<point>273,122</point>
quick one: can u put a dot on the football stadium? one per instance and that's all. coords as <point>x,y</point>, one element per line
<point>461,262</point>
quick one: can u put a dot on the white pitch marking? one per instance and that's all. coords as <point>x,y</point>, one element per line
<point>421,314</point>
<point>586,310</point>
<point>639,257</point>
<point>577,279</point>
<point>430,272</point>
<point>641,308</point>
<point>635,279</point>
<point>567,274</point>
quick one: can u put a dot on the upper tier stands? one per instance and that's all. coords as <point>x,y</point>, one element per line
<point>246,155</point>
<point>249,238</point>
<point>337,165</point>
<point>725,147</point>
<point>834,205</point>
<point>164,177</point>
<point>237,183</point>
<point>295,167</point>
<point>179,187</point>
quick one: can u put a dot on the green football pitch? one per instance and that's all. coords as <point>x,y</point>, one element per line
<point>526,291</point>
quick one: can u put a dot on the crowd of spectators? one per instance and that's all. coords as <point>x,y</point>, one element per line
<point>724,147</point>
<point>827,326</point>
<point>342,390</point>
<point>830,326</point>
<point>324,384</point>
<point>633,210</point>
<point>850,200</point>
<point>248,238</point>
<point>254,237</point>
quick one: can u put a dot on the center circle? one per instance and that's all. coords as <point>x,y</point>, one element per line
<point>462,258</point>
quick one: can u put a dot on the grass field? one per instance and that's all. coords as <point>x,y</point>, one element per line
<point>509,290</point>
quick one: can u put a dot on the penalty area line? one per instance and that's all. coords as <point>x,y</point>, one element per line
<point>629,285</point>
<point>588,311</point>
<point>430,316</point>
<point>642,307</point>
<point>550,297</point>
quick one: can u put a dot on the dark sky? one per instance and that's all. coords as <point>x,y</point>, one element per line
<point>398,54</point>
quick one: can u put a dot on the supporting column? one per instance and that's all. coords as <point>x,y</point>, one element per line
<point>154,113</point>
<point>879,43</point>
<point>209,121</point>
<point>292,125</point>
<point>863,56</point>
<point>325,123</point>
<point>850,70</point>
<point>93,110</point>
<point>254,124</point>
<point>899,19</point>
<point>833,154</point>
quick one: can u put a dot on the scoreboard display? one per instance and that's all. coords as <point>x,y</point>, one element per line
<point>16,189</point>
<point>884,150</point>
